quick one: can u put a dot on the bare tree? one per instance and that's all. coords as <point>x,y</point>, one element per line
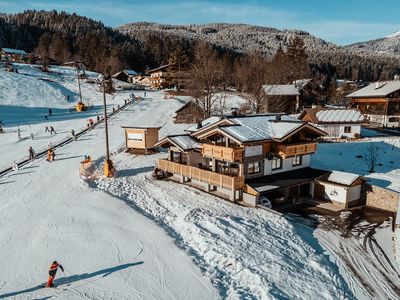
<point>251,74</point>
<point>206,78</point>
<point>372,157</point>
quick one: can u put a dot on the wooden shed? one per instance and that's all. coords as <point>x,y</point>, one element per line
<point>189,113</point>
<point>142,138</point>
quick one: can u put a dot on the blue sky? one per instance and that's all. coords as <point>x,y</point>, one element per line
<point>338,21</point>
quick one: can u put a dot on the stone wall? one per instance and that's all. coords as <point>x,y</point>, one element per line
<point>381,198</point>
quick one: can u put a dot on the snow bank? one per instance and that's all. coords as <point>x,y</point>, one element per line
<point>247,253</point>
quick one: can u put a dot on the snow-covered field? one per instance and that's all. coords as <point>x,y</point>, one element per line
<point>132,237</point>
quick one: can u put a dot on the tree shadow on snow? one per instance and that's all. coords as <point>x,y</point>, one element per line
<point>73,278</point>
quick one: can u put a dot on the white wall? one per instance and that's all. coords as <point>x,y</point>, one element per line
<point>286,165</point>
<point>337,130</point>
<point>335,193</point>
<point>354,193</point>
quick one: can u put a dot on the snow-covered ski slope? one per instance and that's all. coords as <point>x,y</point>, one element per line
<point>109,251</point>
<point>26,97</point>
<point>136,238</point>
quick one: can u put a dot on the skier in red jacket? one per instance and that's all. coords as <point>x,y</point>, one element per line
<point>52,273</point>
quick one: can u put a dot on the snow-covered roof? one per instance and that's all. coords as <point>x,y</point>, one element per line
<point>301,83</point>
<point>261,127</point>
<point>204,123</point>
<point>14,51</point>
<point>281,90</point>
<point>343,178</point>
<point>185,142</point>
<point>320,115</point>
<point>340,116</point>
<point>377,89</point>
<point>130,72</point>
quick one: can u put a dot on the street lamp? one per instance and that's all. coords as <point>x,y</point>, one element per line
<point>108,164</point>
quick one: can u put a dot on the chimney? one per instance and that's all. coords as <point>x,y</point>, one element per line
<point>377,85</point>
<point>397,77</point>
<point>199,125</point>
<point>234,111</point>
<point>278,118</point>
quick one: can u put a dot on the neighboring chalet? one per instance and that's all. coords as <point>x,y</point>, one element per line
<point>278,94</point>
<point>380,101</point>
<point>162,77</point>
<point>14,55</point>
<point>189,113</point>
<point>336,122</point>
<point>125,75</point>
<point>242,158</point>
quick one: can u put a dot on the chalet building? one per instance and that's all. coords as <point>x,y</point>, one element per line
<point>336,122</point>
<point>162,77</point>
<point>189,113</point>
<point>288,93</point>
<point>243,158</point>
<point>14,55</point>
<point>380,102</point>
<point>125,75</point>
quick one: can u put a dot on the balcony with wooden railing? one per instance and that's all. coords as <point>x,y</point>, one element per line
<point>288,150</point>
<point>222,153</point>
<point>232,183</point>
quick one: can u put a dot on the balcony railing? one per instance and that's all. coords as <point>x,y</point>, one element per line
<point>296,149</point>
<point>228,182</point>
<point>223,153</point>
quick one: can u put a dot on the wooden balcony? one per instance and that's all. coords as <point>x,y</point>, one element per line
<point>296,149</point>
<point>232,183</point>
<point>222,153</point>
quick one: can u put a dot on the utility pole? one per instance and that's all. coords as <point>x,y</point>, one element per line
<point>108,164</point>
<point>79,83</point>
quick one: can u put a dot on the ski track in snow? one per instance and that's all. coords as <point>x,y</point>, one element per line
<point>247,253</point>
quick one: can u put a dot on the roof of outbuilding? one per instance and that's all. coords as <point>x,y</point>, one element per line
<point>377,89</point>
<point>339,177</point>
<point>321,115</point>
<point>183,141</point>
<point>14,51</point>
<point>281,90</point>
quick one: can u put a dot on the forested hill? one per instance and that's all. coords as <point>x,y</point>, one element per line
<point>64,37</point>
<point>325,57</point>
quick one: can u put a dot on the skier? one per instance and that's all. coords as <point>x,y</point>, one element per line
<point>52,130</point>
<point>1,129</point>
<point>31,153</point>
<point>47,129</point>
<point>52,273</point>
<point>50,155</point>
<point>73,134</point>
<point>50,112</point>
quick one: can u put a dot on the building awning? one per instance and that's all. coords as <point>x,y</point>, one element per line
<point>285,179</point>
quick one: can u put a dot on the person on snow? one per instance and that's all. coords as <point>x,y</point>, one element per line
<point>73,134</point>
<point>52,273</point>
<point>1,129</point>
<point>50,154</point>
<point>50,112</point>
<point>52,130</point>
<point>31,153</point>
<point>47,129</point>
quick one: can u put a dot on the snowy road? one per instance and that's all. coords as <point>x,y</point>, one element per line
<point>109,251</point>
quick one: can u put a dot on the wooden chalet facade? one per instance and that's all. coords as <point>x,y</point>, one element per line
<point>126,76</point>
<point>380,102</point>
<point>189,113</point>
<point>162,77</point>
<point>243,158</point>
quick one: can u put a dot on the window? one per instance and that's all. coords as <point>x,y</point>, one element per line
<point>347,129</point>
<point>296,160</point>
<point>276,163</point>
<point>253,167</point>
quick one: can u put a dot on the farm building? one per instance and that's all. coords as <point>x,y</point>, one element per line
<point>336,122</point>
<point>14,55</point>
<point>125,75</point>
<point>142,138</point>
<point>380,102</point>
<point>282,93</point>
<point>189,113</point>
